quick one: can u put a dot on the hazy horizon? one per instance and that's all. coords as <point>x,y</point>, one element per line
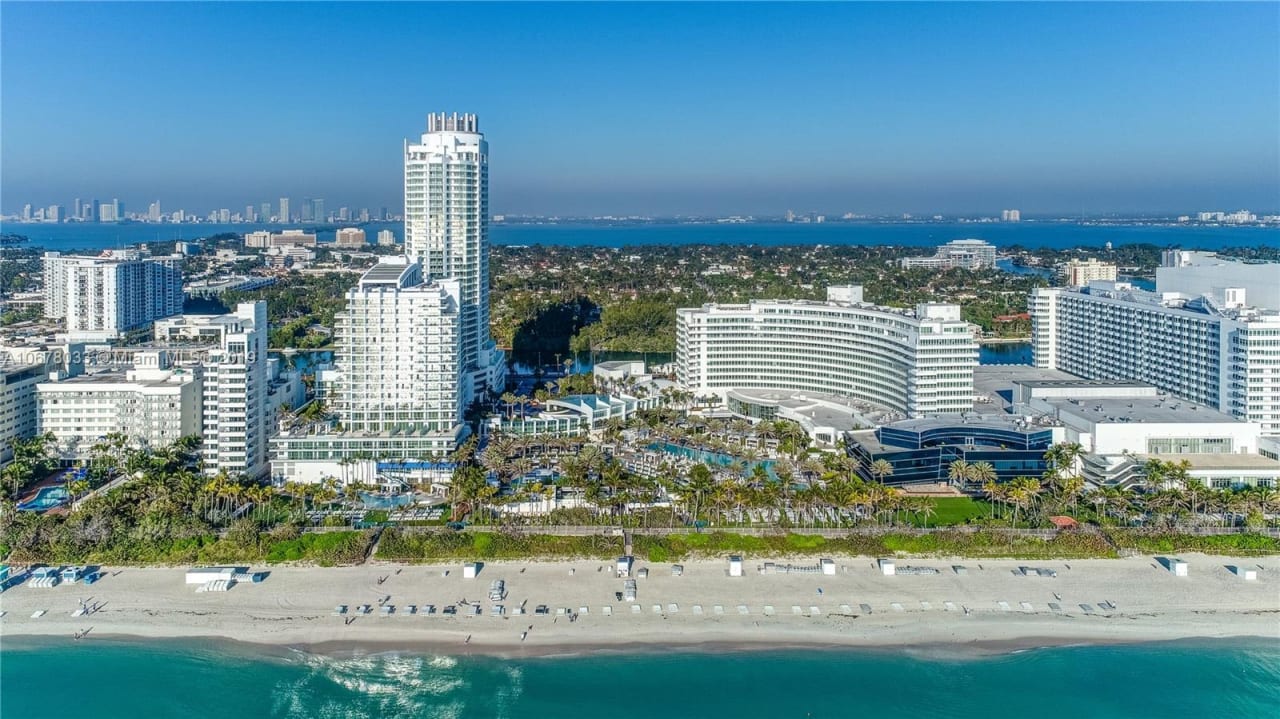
<point>659,110</point>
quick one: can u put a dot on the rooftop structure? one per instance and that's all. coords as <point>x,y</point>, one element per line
<point>1212,350</point>
<point>913,362</point>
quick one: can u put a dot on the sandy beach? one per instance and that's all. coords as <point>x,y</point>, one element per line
<point>988,606</point>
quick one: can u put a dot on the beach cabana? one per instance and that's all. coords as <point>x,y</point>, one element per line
<point>204,575</point>
<point>735,566</point>
<point>828,566</point>
<point>1178,567</point>
<point>469,570</point>
<point>624,567</point>
<point>887,567</point>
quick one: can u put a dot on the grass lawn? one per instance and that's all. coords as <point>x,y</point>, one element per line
<point>954,510</point>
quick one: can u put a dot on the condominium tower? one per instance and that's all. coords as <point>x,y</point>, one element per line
<point>1214,347</point>
<point>446,230</point>
<point>103,297</point>
<point>915,362</point>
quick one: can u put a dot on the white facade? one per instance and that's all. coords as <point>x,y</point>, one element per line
<point>1204,273</point>
<point>914,362</point>
<point>261,238</point>
<point>236,424</point>
<point>1205,350</point>
<point>386,238</point>
<point>20,371</point>
<point>103,297</point>
<point>152,404</point>
<point>969,254</point>
<point>398,353</point>
<point>446,229</point>
<point>398,389</point>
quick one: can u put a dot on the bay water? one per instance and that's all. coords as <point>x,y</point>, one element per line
<point>1056,235</point>
<point>109,679</point>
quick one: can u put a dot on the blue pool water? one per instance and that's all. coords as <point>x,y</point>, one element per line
<point>712,458</point>
<point>46,498</point>
<point>385,501</point>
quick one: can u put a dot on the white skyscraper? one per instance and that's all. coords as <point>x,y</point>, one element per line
<point>446,229</point>
<point>103,297</point>
<point>397,389</point>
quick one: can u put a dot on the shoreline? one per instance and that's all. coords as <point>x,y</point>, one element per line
<point>973,650</point>
<point>988,608</point>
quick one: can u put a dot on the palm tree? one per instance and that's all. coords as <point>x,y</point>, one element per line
<point>982,472</point>
<point>958,472</point>
<point>880,469</point>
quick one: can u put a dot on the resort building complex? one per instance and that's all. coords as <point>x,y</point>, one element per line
<point>1202,336</point>
<point>968,254</point>
<point>446,230</point>
<point>205,375</point>
<point>104,297</point>
<point>915,362</point>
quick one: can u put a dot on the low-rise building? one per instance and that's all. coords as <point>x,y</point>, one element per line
<point>1078,273</point>
<point>350,237</point>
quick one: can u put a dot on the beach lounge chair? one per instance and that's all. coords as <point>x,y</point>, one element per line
<point>768,610</point>
<point>1004,606</point>
<point>517,611</point>
<point>814,611</point>
<point>429,609</point>
<point>365,609</point>
<point>475,610</point>
<point>37,614</point>
<point>1107,605</point>
<point>846,609</point>
<point>742,609</point>
<point>866,608</point>
<point>79,612</point>
<point>561,611</point>
<point>1026,606</point>
<point>635,609</point>
<point>657,609</point>
<point>411,609</point>
<point>925,605</point>
<point>697,609</point>
<point>584,610</point>
<point>796,610</point>
<point>897,607</point>
<point>340,610</point>
<point>717,609</point>
<point>542,609</point>
<point>451,610</point>
<point>1055,607</point>
<point>673,608</point>
<point>497,610</point>
<point>949,606</point>
<point>1086,609</point>
<point>606,610</point>
<point>388,609</point>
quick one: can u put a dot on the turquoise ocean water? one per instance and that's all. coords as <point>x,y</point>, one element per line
<point>106,679</point>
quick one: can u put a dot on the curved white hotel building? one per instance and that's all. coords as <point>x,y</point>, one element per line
<point>916,362</point>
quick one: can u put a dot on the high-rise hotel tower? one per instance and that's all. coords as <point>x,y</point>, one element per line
<point>446,230</point>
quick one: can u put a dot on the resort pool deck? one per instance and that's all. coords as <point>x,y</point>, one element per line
<point>712,458</point>
<point>47,498</point>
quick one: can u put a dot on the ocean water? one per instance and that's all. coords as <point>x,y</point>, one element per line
<point>106,680</point>
<point>65,237</point>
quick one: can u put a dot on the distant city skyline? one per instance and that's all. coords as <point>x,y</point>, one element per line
<point>657,110</point>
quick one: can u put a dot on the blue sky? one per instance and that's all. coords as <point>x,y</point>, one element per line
<point>661,109</point>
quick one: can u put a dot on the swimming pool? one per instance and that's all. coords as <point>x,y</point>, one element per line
<point>385,501</point>
<point>712,458</point>
<point>47,498</point>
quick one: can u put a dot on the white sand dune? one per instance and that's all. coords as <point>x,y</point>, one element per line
<point>1127,600</point>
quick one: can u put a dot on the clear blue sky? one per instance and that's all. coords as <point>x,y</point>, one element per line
<point>660,109</point>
